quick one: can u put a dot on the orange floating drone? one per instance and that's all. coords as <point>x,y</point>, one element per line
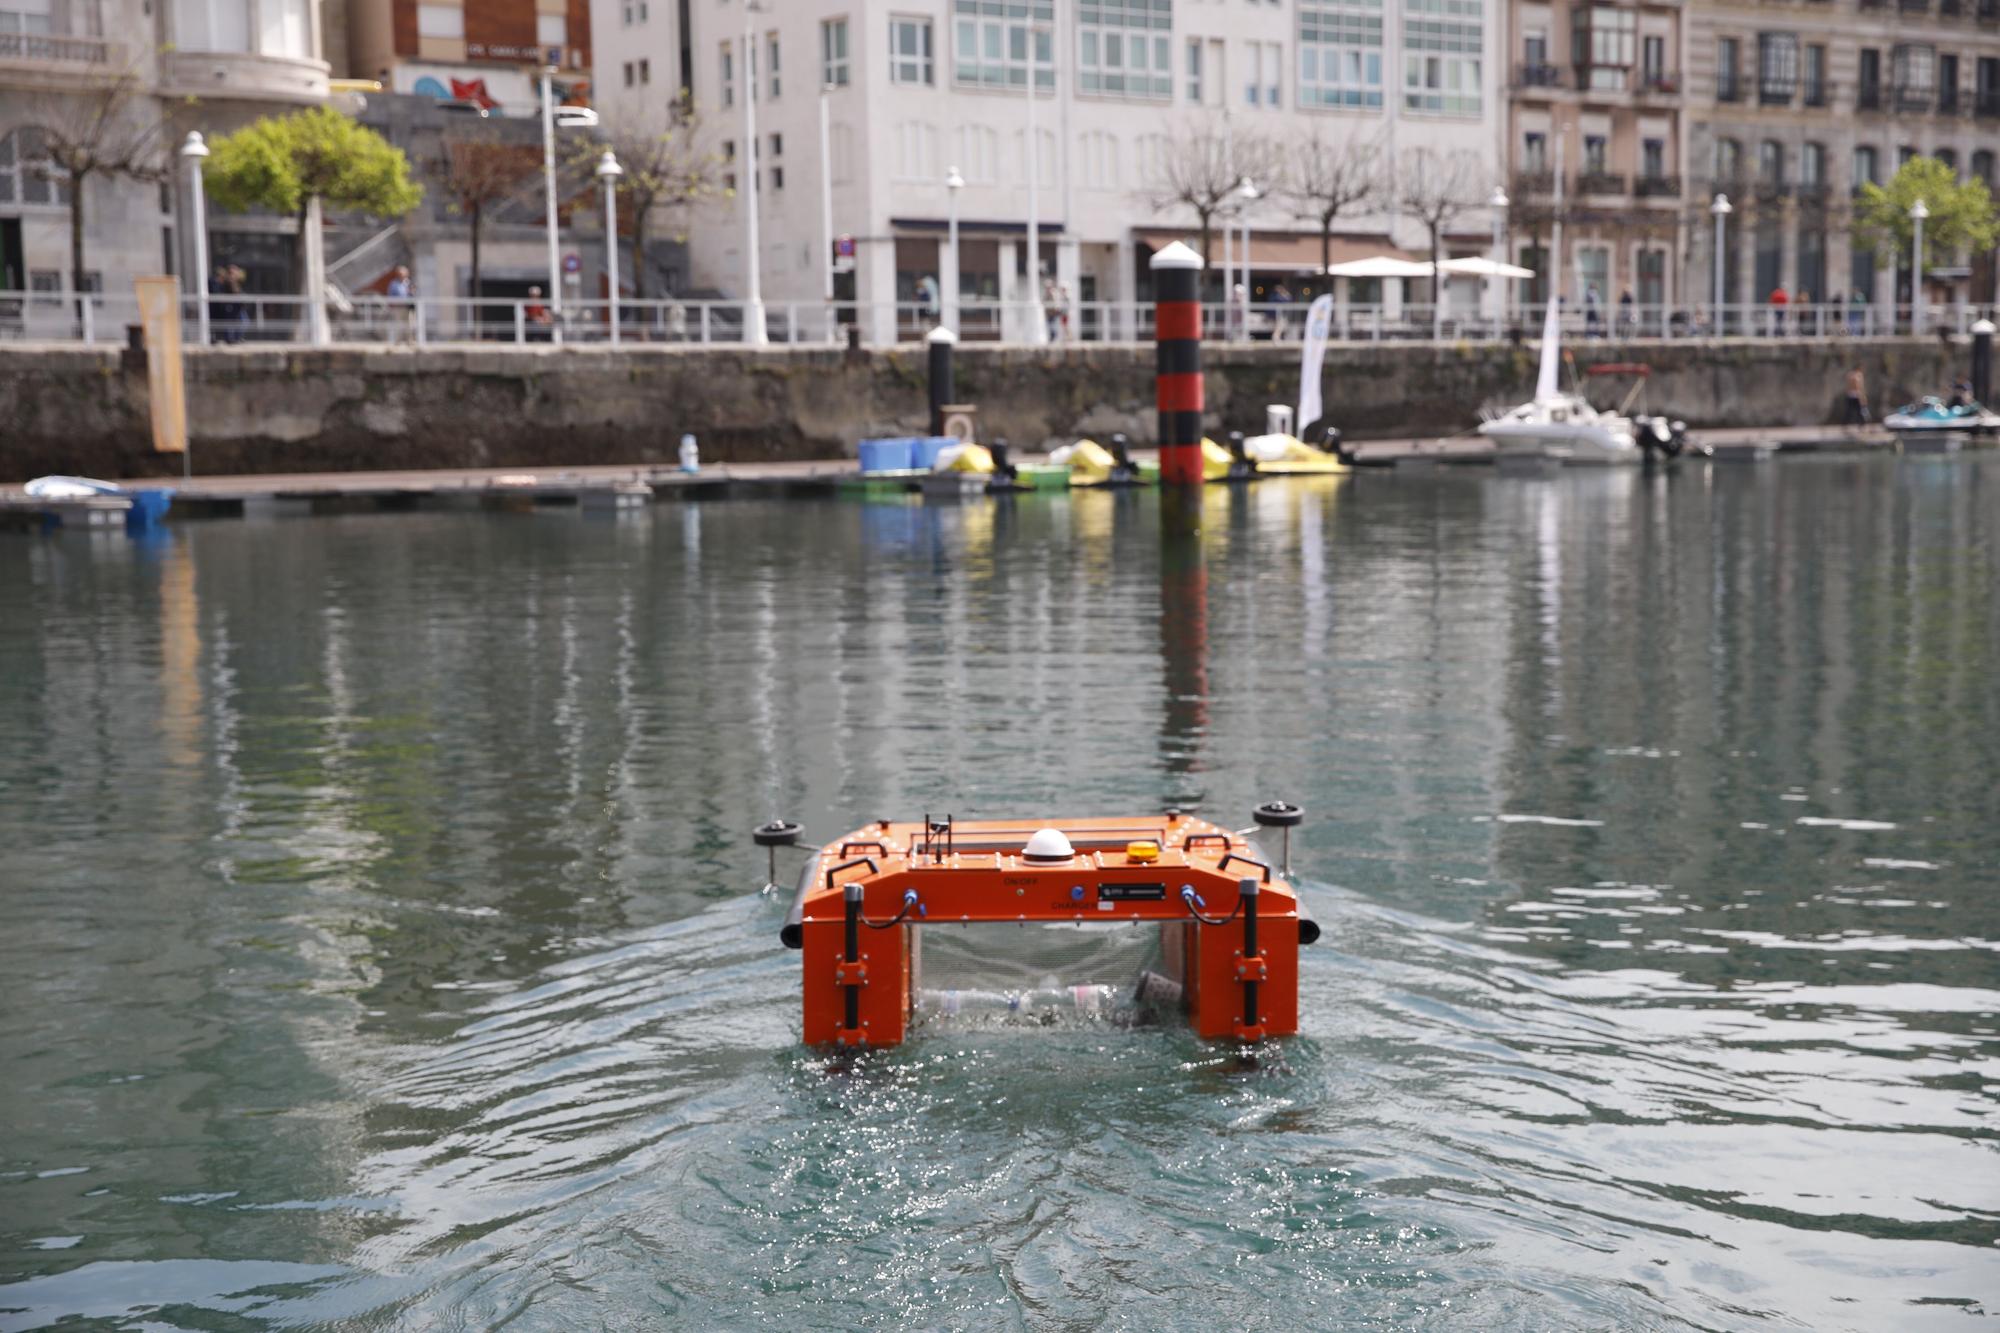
<point>1230,925</point>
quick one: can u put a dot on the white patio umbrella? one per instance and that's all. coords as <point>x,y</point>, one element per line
<point>1379,266</point>
<point>1479,266</point>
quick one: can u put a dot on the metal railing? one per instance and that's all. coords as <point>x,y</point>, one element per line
<point>1538,76</point>
<point>1600,182</point>
<point>52,47</point>
<point>251,321</point>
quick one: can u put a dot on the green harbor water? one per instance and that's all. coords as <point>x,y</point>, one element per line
<point>383,945</point>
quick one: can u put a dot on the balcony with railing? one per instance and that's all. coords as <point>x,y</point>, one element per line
<point>1528,76</point>
<point>1730,88</point>
<point>1868,97</point>
<point>1600,182</point>
<point>53,48</point>
<point>1776,92</point>
<point>1951,102</point>
<point>1986,104</point>
<point>1771,191</point>
<point>1813,194</point>
<point>1659,84</point>
<point>1533,183</point>
<point>1912,99</point>
<point>1658,187</point>
<point>1818,94</point>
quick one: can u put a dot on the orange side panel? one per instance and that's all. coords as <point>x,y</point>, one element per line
<point>885,995</point>
<point>1215,992</point>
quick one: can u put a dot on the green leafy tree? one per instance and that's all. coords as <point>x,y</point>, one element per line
<point>282,163</point>
<point>1962,217</point>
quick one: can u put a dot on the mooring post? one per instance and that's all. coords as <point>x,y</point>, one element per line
<point>1177,382</point>
<point>1982,361</point>
<point>941,341</point>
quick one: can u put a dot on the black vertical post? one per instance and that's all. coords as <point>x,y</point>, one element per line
<point>853,954</point>
<point>1982,361</point>
<point>1247,887</point>
<point>941,341</point>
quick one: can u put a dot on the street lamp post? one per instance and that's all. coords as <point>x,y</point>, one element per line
<point>1496,293</point>
<point>1720,210</point>
<point>754,329</point>
<point>195,152</point>
<point>1038,318</point>
<point>826,211</point>
<point>609,171</point>
<point>549,188</point>
<point>1249,194</point>
<point>1918,212</point>
<point>953,183</point>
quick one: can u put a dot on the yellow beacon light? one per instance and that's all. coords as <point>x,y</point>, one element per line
<point>1144,851</point>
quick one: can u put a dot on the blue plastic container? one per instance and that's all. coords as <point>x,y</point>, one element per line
<point>926,448</point>
<point>890,455</point>
<point>148,508</point>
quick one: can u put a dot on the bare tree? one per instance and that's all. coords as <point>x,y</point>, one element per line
<point>670,166</point>
<point>1202,167</point>
<point>111,129</point>
<point>1436,189</point>
<point>481,171</point>
<point>1324,178</point>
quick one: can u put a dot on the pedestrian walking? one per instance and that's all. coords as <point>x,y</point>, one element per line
<point>1593,323</point>
<point>1857,398</point>
<point>1627,321</point>
<point>927,298</point>
<point>541,324</point>
<point>403,293</point>
<point>1778,303</point>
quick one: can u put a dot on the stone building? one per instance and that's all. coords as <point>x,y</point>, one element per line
<point>209,65</point>
<point>914,88</point>
<point>1792,106</point>
<point>1608,80</point>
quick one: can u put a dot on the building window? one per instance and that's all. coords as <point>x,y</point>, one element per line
<point>551,30</point>
<point>777,178</point>
<point>1594,147</point>
<point>1535,153</point>
<point>771,64</point>
<point>1728,162</point>
<point>1867,166</point>
<point>26,174</point>
<point>1125,47</point>
<point>1266,61</point>
<point>1913,72</point>
<point>1815,80</point>
<point>1982,167</point>
<point>1653,61</point>
<point>1870,74</point>
<point>728,76</point>
<point>629,72</point>
<point>1771,162</point>
<point>446,22</point>
<point>224,25</point>
<point>1947,78</point>
<point>645,71</point>
<point>991,40</point>
<point>1728,69</point>
<point>1194,69</point>
<point>1653,159</point>
<point>1340,53</point>
<point>910,58</point>
<point>1604,42</point>
<point>1442,41</point>
<point>1949,158</point>
<point>1777,67</point>
<point>1905,155</point>
<point>833,64</point>
<point>1812,164</point>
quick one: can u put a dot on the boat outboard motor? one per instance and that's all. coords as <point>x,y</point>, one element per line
<point>1331,442</point>
<point>1662,437</point>
<point>1240,465</point>
<point>1003,470</point>
<point>1124,471</point>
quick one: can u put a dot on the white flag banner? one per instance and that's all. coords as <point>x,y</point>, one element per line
<point>1319,327</point>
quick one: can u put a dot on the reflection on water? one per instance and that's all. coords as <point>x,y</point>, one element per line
<point>384,948</point>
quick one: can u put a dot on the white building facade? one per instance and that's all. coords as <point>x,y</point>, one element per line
<point>914,88</point>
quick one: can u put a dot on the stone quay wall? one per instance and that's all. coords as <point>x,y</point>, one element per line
<point>352,408</point>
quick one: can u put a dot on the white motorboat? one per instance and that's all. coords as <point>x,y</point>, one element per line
<point>1559,427</point>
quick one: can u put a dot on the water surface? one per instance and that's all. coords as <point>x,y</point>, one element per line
<point>384,948</point>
